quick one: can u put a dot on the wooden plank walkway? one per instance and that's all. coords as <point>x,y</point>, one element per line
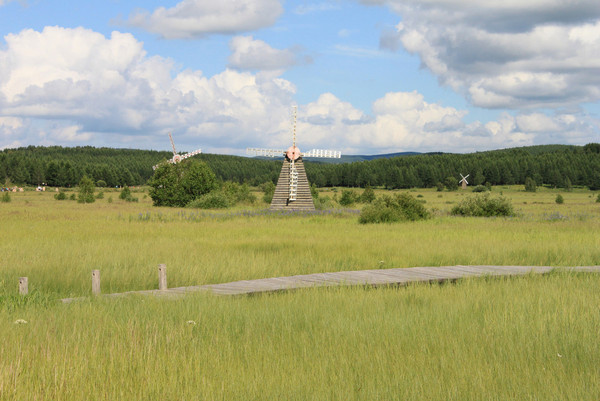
<point>380,277</point>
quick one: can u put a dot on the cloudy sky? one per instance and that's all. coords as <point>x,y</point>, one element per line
<point>368,76</point>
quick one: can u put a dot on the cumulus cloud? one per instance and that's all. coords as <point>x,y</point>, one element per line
<point>101,86</point>
<point>78,87</point>
<point>199,18</point>
<point>404,121</point>
<point>248,53</point>
<point>505,54</point>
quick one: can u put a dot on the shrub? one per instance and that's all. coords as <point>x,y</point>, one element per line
<point>269,190</point>
<point>480,188</point>
<point>439,187</point>
<point>483,206</point>
<point>72,197</point>
<point>109,200</point>
<point>530,185</point>
<point>60,196</point>
<point>598,199</point>
<point>100,195</point>
<point>5,197</point>
<point>86,190</point>
<point>178,184</point>
<point>389,209</point>
<point>323,202</point>
<point>314,191</point>
<point>368,195</point>
<point>559,199</point>
<point>212,200</point>
<point>237,193</point>
<point>125,193</point>
<point>348,198</point>
<point>101,183</point>
<point>451,183</point>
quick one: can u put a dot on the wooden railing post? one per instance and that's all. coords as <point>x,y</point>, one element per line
<point>23,285</point>
<point>162,276</point>
<point>95,282</point>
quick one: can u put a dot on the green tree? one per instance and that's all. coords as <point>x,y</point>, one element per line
<point>178,184</point>
<point>86,190</point>
<point>559,199</point>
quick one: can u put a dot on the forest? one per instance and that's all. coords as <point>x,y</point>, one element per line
<point>550,165</point>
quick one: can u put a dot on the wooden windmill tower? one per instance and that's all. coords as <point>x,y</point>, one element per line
<point>177,157</point>
<point>293,190</point>
<point>464,181</point>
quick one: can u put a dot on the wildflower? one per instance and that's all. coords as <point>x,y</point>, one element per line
<point>191,322</point>
<point>20,321</point>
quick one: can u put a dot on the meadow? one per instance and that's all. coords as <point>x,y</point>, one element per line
<point>532,337</point>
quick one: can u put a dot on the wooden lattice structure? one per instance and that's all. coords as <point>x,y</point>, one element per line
<point>293,190</point>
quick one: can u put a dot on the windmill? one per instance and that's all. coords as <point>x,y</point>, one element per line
<point>464,181</point>
<point>177,157</point>
<point>293,190</point>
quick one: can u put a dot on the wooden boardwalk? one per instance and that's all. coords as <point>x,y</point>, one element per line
<point>380,277</point>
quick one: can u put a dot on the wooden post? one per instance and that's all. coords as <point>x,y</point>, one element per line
<point>23,285</point>
<point>95,282</point>
<point>162,276</point>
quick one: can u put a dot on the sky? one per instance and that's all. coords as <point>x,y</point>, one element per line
<point>366,76</point>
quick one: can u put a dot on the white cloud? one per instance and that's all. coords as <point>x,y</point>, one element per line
<point>505,54</point>
<point>253,54</point>
<point>77,87</point>
<point>107,85</point>
<point>198,18</point>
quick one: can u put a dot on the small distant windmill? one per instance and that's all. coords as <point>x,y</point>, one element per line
<point>177,157</point>
<point>293,190</point>
<point>464,181</point>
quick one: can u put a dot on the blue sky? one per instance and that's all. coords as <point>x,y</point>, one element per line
<point>369,76</point>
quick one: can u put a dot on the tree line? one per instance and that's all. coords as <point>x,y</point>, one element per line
<point>552,165</point>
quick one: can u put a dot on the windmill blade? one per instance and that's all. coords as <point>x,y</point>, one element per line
<point>172,144</point>
<point>265,152</point>
<point>194,153</point>
<point>334,154</point>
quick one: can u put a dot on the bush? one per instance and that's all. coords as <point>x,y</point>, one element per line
<point>269,190</point>
<point>323,202</point>
<point>480,188</point>
<point>60,196</point>
<point>237,193</point>
<point>598,199</point>
<point>86,190</point>
<point>451,183</point>
<point>178,184</point>
<point>530,185</point>
<point>368,195</point>
<point>559,199</point>
<point>212,200</point>
<point>72,197</point>
<point>348,198</point>
<point>101,183</point>
<point>100,195</point>
<point>439,187</point>
<point>389,209</point>
<point>6,197</point>
<point>125,193</point>
<point>483,206</point>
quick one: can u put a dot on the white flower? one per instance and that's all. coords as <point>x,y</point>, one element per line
<point>20,321</point>
<point>191,322</point>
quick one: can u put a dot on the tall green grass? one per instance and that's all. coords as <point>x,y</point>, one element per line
<point>533,337</point>
<point>58,243</point>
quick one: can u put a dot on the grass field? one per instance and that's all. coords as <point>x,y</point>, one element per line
<point>532,337</point>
